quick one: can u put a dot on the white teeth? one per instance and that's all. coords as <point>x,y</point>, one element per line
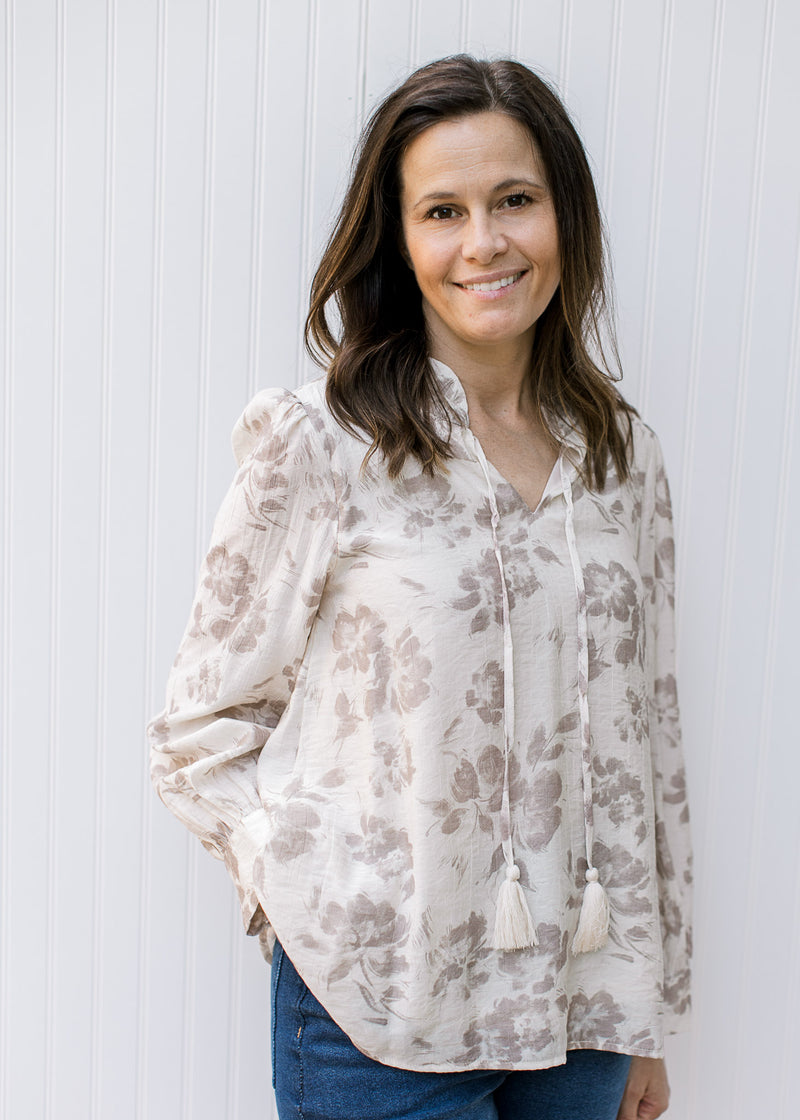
<point>494,286</point>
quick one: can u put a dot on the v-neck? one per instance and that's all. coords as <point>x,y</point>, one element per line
<point>456,398</point>
<point>551,487</point>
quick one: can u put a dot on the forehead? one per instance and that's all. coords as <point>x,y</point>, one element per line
<point>470,148</point>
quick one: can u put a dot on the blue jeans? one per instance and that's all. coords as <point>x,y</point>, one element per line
<point>318,1074</point>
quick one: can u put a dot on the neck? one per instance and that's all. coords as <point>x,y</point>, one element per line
<point>496,381</point>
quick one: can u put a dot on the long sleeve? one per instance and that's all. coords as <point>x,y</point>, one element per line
<point>673,843</point>
<point>334,731</point>
<point>273,544</point>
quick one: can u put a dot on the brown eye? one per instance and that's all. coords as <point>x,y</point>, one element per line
<point>442,213</point>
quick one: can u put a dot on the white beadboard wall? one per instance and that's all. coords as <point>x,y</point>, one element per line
<point>169,170</point>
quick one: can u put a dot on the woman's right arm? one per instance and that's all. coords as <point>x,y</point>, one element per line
<point>273,545</point>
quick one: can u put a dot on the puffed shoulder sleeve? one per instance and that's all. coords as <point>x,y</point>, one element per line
<point>673,841</point>
<point>272,547</point>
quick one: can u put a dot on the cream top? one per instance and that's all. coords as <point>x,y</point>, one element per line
<point>390,692</point>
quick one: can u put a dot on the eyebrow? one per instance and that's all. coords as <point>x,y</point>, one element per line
<point>443,196</point>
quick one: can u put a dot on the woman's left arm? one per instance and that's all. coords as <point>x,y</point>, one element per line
<point>646,1093</point>
<point>273,545</point>
<point>673,844</point>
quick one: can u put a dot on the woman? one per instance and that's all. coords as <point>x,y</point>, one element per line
<point>425,708</point>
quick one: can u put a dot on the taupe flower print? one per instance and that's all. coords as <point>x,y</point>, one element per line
<point>677,991</point>
<point>597,662</point>
<point>382,846</point>
<point>510,1028</point>
<point>204,685</point>
<point>663,503</point>
<point>541,809</point>
<point>228,582</point>
<point>625,877</point>
<point>546,745</point>
<point>479,593</point>
<point>486,694</point>
<point>671,918</point>
<point>475,792</point>
<point>520,572</point>
<point>431,503</point>
<point>617,790</point>
<point>595,1018</point>
<point>536,790</point>
<point>358,638</point>
<point>297,825</point>
<point>350,703</point>
<point>490,767</point>
<point>632,722</point>
<point>370,937</point>
<point>610,591</point>
<point>394,769</point>
<point>554,942</point>
<point>456,959</point>
<point>370,933</point>
<point>665,703</point>
<point>411,672</point>
<point>659,585</point>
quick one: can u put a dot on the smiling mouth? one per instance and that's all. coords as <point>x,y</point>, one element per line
<point>494,285</point>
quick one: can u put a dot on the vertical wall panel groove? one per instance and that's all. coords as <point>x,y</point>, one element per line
<point>309,137</point>
<point>234,1033</point>
<point>53,766</point>
<point>565,39</point>
<point>103,560</point>
<point>689,442</point>
<point>413,34</point>
<point>713,808</point>
<point>792,998</point>
<point>257,207</point>
<point>361,69</point>
<point>698,302</point>
<point>767,696</point>
<point>6,772</point>
<point>788,1081</point>
<point>151,689</point>
<point>464,32</point>
<point>745,360</point>
<point>516,26</point>
<point>612,103</point>
<point>206,280</point>
<point>654,223</point>
<point>734,493</point>
<point>734,490</point>
<point>191,977</point>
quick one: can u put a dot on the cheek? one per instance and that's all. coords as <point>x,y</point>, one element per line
<point>549,260</point>
<point>545,243</point>
<point>555,249</point>
<point>425,262</point>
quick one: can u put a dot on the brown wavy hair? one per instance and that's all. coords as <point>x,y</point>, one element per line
<point>380,382</point>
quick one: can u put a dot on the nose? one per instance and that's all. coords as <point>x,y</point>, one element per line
<point>483,239</point>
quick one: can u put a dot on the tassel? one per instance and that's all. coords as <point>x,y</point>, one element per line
<point>592,931</point>
<point>513,927</point>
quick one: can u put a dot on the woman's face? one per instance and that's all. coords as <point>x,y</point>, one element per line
<point>480,234</point>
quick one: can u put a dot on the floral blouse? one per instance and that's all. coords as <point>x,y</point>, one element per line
<point>384,684</point>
